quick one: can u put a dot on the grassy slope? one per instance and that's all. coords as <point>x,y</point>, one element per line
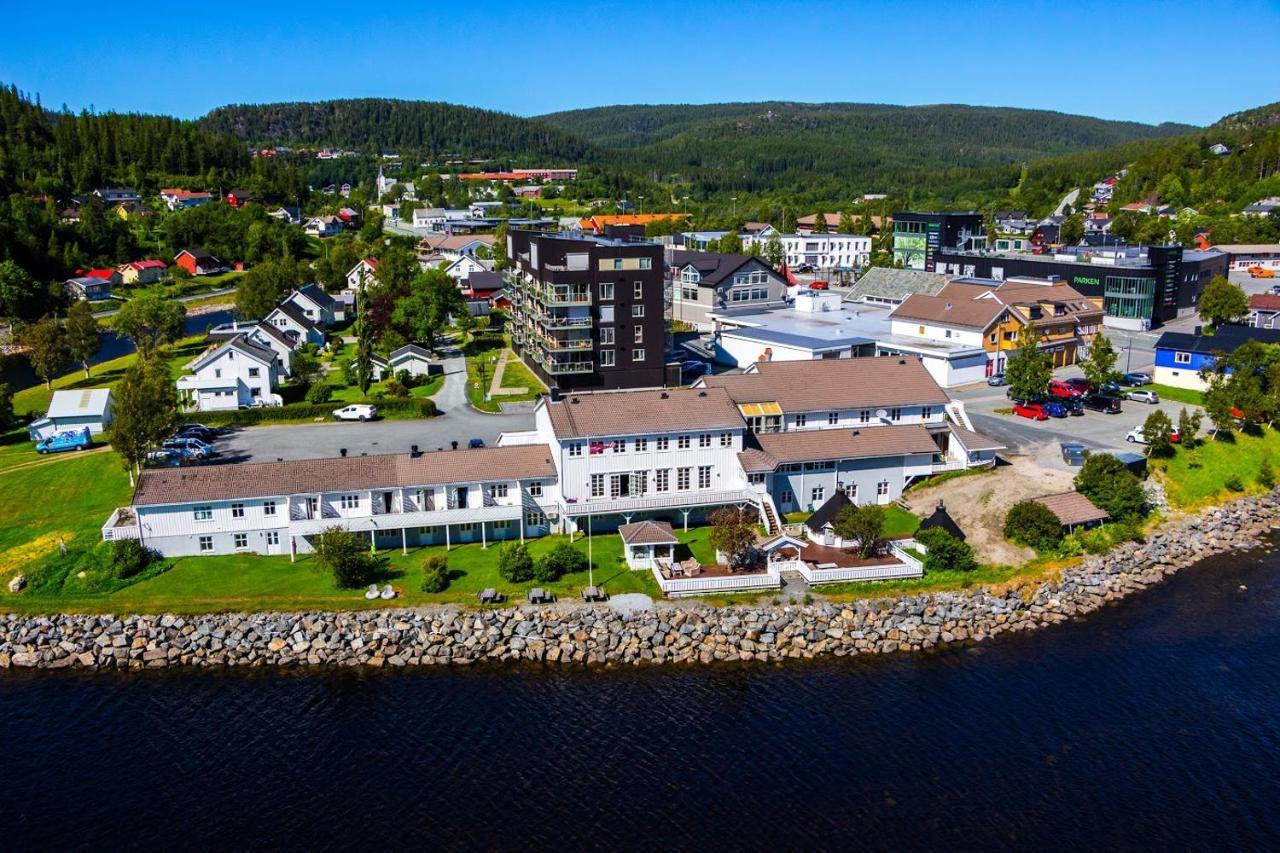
<point>1198,476</point>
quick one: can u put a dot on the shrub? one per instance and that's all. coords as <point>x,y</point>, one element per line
<point>249,417</point>
<point>396,389</point>
<point>946,552</point>
<point>1266,474</point>
<point>319,393</point>
<point>563,559</point>
<point>1234,483</point>
<point>1104,480</point>
<point>1033,524</point>
<point>408,379</point>
<point>347,556</point>
<point>128,557</point>
<point>514,563</point>
<point>435,574</point>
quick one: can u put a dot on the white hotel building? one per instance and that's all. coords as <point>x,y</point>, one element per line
<point>781,437</point>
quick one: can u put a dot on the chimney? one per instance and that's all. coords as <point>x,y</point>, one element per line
<point>342,451</point>
<point>413,451</point>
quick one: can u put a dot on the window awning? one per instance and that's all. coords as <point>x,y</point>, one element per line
<point>756,410</point>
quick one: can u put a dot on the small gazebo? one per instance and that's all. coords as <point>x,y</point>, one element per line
<point>645,542</point>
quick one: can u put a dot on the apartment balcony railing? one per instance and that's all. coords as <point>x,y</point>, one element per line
<point>563,367</point>
<point>566,322</point>
<point>660,501</point>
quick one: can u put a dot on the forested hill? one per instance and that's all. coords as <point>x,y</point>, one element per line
<point>381,124</point>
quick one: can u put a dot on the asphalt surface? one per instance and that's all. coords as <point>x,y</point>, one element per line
<point>457,422</point>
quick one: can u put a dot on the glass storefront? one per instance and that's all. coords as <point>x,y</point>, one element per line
<point>1129,297</point>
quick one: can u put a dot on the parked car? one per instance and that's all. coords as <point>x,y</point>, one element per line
<point>1143,396</point>
<point>1034,411</point>
<point>996,379</point>
<point>1075,406</point>
<point>1134,380</point>
<point>1058,388</point>
<point>168,458</point>
<point>1102,403</point>
<point>1056,409</point>
<point>356,412</point>
<point>475,443</point>
<point>693,368</point>
<point>1073,453</point>
<point>1135,436</point>
<point>200,431</point>
<point>71,439</point>
<point>1109,389</point>
<point>190,447</point>
<point>1079,383</point>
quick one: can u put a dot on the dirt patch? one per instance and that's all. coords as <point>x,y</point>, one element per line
<point>979,503</point>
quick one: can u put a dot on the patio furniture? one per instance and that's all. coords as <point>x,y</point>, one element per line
<point>692,567</point>
<point>372,592</point>
<point>538,595</point>
<point>489,595</point>
<point>677,570</point>
<point>594,593</point>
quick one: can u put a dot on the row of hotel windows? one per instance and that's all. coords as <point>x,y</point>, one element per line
<point>493,490</point>
<point>864,416</point>
<point>205,512</point>
<point>608,338</point>
<point>645,263</point>
<point>818,494</point>
<point>609,358</point>
<point>635,483</point>
<point>240,541</point>
<point>641,445</point>
<point>606,291</point>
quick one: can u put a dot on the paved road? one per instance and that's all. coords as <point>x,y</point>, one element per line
<point>457,422</point>
<point>222,291</point>
<point>1068,199</point>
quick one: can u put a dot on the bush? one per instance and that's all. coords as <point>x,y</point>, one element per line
<point>1266,474</point>
<point>408,379</point>
<point>946,552</point>
<point>319,393</point>
<point>348,557</point>
<point>396,389</point>
<point>435,574</point>
<point>563,559</point>
<point>1111,486</point>
<point>1033,524</point>
<point>1234,483</point>
<point>128,557</point>
<point>250,417</point>
<point>514,563</point>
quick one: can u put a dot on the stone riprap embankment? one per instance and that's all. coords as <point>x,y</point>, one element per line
<point>598,635</point>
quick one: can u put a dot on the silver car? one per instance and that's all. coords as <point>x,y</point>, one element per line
<point>1143,396</point>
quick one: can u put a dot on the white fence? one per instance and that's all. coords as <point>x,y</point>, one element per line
<point>114,529</point>
<point>906,567</point>
<point>721,583</point>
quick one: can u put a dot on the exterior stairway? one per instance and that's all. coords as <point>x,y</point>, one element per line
<point>771,525</point>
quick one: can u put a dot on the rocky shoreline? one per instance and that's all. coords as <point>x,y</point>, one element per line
<point>599,636</point>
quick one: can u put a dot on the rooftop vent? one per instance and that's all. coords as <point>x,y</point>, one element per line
<point>948,306</point>
<point>902,361</point>
<point>342,451</point>
<point>574,401</point>
<point>857,432</point>
<point>664,395</point>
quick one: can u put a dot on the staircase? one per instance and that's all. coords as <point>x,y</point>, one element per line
<point>955,409</point>
<point>771,525</point>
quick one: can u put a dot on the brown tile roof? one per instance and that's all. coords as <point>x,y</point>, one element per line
<point>972,441</point>
<point>963,311</point>
<point>642,412</point>
<point>766,451</point>
<point>1073,508</point>
<point>355,473</point>
<point>1265,302</point>
<point>837,383</point>
<point>648,533</point>
<point>454,242</point>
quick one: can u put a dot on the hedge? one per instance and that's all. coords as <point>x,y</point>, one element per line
<point>410,406</point>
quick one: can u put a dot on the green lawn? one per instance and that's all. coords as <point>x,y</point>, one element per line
<point>897,521</point>
<point>1177,395</point>
<point>1197,476</point>
<point>517,375</point>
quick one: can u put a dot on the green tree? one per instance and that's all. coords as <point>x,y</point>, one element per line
<point>304,368</point>
<point>733,534</point>
<point>1222,301</point>
<point>1030,368</point>
<point>1100,367</point>
<point>1266,473</point>
<point>363,361</point>
<point>1217,405</point>
<point>820,224</point>
<point>21,296</point>
<point>514,563</point>
<point>433,297</point>
<point>1189,428</point>
<point>945,552</point>
<point>7,417</point>
<point>435,573</point>
<point>150,321</point>
<point>1072,229</point>
<point>773,252</point>
<point>1155,431</point>
<point>146,411</point>
<point>500,246</point>
<point>46,344</point>
<point>862,524</point>
<point>563,559</point>
<point>1033,524</point>
<point>1111,486</point>
<point>263,286</point>
<point>846,224</point>
<point>83,336</point>
<point>731,243</point>
<point>348,556</point>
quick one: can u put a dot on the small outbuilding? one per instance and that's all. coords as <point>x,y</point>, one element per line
<point>822,524</point>
<point>942,520</point>
<point>86,407</point>
<point>645,542</point>
<point>1074,510</point>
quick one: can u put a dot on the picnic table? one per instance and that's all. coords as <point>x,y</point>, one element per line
<point>489,595</point>
<point>538,595</point>
<point>594,593</point>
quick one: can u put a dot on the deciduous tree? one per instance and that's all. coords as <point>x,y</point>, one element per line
<point>1111,486</point>
<point>1030,368</point>
<point>262,287</point>
<point>146,411</point>
<point>83,335</point>
<point>861,524</point>
<point>1100,367</point>
<point>733,534</point>
<point>150,321</point>
<point>1222,301</point>
<point>46,344</point>
<point>1155,432</point>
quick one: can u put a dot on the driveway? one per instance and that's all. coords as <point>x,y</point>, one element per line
<point>457,422</point>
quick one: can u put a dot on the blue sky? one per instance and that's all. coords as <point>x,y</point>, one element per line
<point>1189,62</point>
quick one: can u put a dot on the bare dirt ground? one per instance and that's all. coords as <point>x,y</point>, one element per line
<point>979,502</point>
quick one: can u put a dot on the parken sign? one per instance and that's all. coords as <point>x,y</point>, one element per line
<point>1087,279</point>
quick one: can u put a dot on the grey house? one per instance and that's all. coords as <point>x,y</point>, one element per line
<point>707,282</point>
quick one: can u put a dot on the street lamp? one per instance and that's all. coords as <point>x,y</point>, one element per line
<point>642,204</point>
<point>734,199</point>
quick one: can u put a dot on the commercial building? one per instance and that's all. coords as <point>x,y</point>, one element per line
<point>589,312</point>
<point>919,237</point>
<point>1242,256</point>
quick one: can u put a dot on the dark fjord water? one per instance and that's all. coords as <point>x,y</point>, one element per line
<point>1151,725</point>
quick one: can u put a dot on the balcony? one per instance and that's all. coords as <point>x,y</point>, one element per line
<point>665,500</point>
<point>563,367</point>
<point>122,524</point>
<point>565,344</point>
<point>398,520</point>
<point>565,322</point>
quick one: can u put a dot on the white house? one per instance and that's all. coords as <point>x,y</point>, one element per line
<point>822,251</point>
<point>290,320</point>
<point>363,273</point>
<point>234,375</point>
<point>316,305</point>
<point>86,407</point>
<point>410,357</point>
<point>432,218</point>
<point>460,267</point>
<point>324,226</point>
<point>266,335</point>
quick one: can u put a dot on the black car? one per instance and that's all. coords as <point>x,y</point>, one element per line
<point>1075,407</point>
<point>1102,403</point>
<point>1073,453</point>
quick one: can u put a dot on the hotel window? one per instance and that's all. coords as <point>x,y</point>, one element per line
<point>606,291</point>
<point>662,479</point>
<point>802,420</point>
<point>575,449</point>
<point>597,485</point>
<point>755,479</point>
<point>253,372</point>
<point>637,291</point>
<point>785,497</point>
<point>864,416</point>
<point>637,309</point>
<point>726,439</point>
<point>273,537</point>
<point>895,414</point>
<point>661,443</point>
<point>851,491</point>
<point>203,513</point>
<point>607,357</point>
<point>467,526</point>
<point>500,524</point>
<point>617,265</point>
<point>704,440</point>
<point>926,413</point>
<point>682,442</point>
<point>533,520</point>
<point>817,494</point>
<point>1182,358</point>
<point>268,507</point>
<point>646,263</point>
<point>535,489</point>
<point>704,476</point>
<point>349,501</point>
<point>498,490</point>
<point>606,335</point>
<point>833,418</point>
<point>682,479</point>
<point>639,334</point>
<point>882,488</point>
<point>237,510</point>
<point>606,313</point>
<point>240,540</point>
<point>619,445</point>
<point>206,543</point>
<point>642,444</point>
<point>638,354</point>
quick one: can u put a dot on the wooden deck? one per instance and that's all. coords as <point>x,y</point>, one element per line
<point>821,554</point>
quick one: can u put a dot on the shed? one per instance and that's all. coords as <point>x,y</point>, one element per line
<point>1074,510</point>
<point>86,407</point>
<point>821,524</point>
<point>942,520</point>
<point>645,542</point>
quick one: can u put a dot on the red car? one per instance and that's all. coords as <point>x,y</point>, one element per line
<point>1034,411</point>
<point>1079,383</point>
<point>1063,389</point>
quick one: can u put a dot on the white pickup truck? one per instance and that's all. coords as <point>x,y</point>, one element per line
<point>356,412</point>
